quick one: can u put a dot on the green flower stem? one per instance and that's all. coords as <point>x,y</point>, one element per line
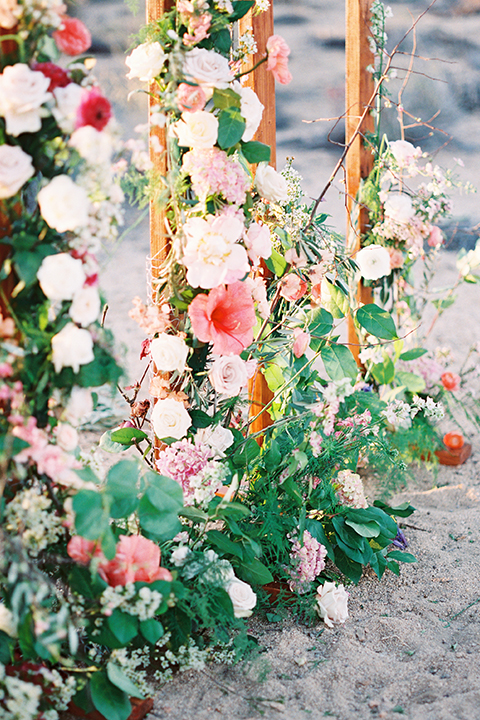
<point>247,72</point>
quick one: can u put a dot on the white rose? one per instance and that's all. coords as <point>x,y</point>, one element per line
<point>92,145</point>
<point>67,101</point>
<point>61,276</point>
<point>373,262</point>
<point>243,598</point>
<point>258,242</point>
<point>67,437</point>
<point>170,419</point>
<point>197,130</point>
<point>270,184</point>
<point>179,555</point>
<point>398,207</point>
<point>169,353</point>
<point>15,169</point>
<point>79,405</point>
<point>72,347</point>
<point>332,604</point>
<point>251,110</point>
<point>9,13</point>
<point>63,204</point>
<point>207,68</point>
<point>228,375</point>
<point>85,307</point>
<point>219,438</point>
<point>146,61</point>
<point>22,93</point>
<point>7,623</point>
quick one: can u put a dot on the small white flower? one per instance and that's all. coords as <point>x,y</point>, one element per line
<point>79,405</point>
<point>179,555</point>
<point>169,353</point>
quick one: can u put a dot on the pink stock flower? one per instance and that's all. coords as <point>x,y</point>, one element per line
<point>198,27</point>
<point>94,110</point>
<point>278,52</point>
<point>451,381</point>
<point>224,317</point>
<point>137,560</point>
<point>190,98</point>
<point>73,38</point>
<point>293,287</point>
<point>436,237</point>
<point>300,343</point>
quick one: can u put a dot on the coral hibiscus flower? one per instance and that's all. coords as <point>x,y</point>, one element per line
<point>224,317</point>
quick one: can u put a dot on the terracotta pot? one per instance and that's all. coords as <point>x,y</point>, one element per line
<point>457,456</point>
<point>276,587</point>
<point>140,708</point>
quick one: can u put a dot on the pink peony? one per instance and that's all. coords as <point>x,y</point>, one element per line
<point>293,287</point>
<point>94,110</point>
<point>224,317</point>
<point>190,98</point>
<point>72,38</point>
<point>137,560</point>
<point>278,52</point>
<point>301,341</point>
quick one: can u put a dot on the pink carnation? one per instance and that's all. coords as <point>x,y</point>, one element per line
<point>278,52</point>
<point>190,98</point>
<point>73,38</point>
<point>94,110</point>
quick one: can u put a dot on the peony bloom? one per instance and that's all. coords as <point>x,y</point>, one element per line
<point>63,204</point>
<point>229,375</point>
<point>169,353</point>
<point>208,69</point>
<point>72,347</point>
<point>85,307</point>
<point>197,130</point>
<point>224,317</point>
<point>22,93</point>
<point>212,255</point>
<point>292,287</point>
<point>94,109</point>
<point>61,276</point>
<point>15,169</point>
<point>9,12</point>
<point>72,38</point>
<point>278,52</point>
<point>92,145</point>
<point>271,185</point>
<point>301,342</point>
<point>242,596</point>
<point>146,61</point>
<point>57,75</point>
<point>190,98</point>
<point>170,419</point>
<point>399,207</point>
<point>451,381</point>
<point>332,604</point>
<point>373,262</point>
<point>137,560</point>
<point>258,242</point>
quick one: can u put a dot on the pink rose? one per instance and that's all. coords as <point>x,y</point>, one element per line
<point>278,52</point>
<point>190,98</point>
<point>301,342</point>
<point>72,38</point>
<point>451,381</point>
<point>293,287</point>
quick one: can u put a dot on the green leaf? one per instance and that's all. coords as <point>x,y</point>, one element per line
<point>194,514</point>
<point>226,98</point>
<point>109,544</point>
<point>231,126</point>
<point>401,556</point>
<point>108,699</point>
<point>91,517</point>
<point>240,8</point>
<point>222,41</point>
<point>272,457</point>
<point>320,322</point>
<point>377,321</point>
<point>27,262</point>
<point>412,354</point>
<point>128,435</point>
<point>276,263</point>
<point>122,479</point>
<point>364,529</point>
<point>347,566</point>
<point>123,626</point>
<point>224,544</point>
<point>254,573</point>
<point>200,419</point>
<point>339,362</point>
<point>107,444</point>
<point>273,376</point>
<point>413,383</point>
<point>374,514</point>
<point>316,529</point>
<point>256,152</point>
<point>378,564</point>
<point>159,507</point>
<point>404,510</point>
<point>118,677</point>
<point>152,630</point>
<point>247,454</point>
<point>384,373</point>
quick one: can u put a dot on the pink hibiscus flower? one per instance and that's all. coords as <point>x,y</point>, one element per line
<point>278,52</point>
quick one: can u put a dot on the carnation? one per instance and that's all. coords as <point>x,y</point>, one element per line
<point>63,204</point>
<point>169,353</point>
<point>271,185</point>
<point>57,75</point>
<point>72,38</point>
<point>94,109</point>
<point>373,262</point>
<point>72,347</point>
<point>15,169</point>
<point>61,276</point>
<point>170,419</point>
<point>146,61</point>
<point>278,52</point>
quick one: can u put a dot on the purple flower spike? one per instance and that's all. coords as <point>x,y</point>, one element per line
<point>400,541</point>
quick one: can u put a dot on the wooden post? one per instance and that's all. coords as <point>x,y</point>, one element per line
<point>359,90</point>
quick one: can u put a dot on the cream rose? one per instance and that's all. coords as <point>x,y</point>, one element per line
<point>10,11</point>
<point>169,353</point>
<point>270,184</point>
<point>332,604</point>
<point>67,437</point>
<point>61,276</point>
<point>243,598</point>
<point>72,347</point>
<point>67,101</point>
<point>251,109</point>
<point>197,130</point>
<point>63,204</point>
<point>85,307</point>
<point>228,375</point>
<point>92,145</point>
<point>398,207</point>
<point>15,169</point>
<point>79,405</point>
<point>22,93</point>
<point>207,68</point>
<point>146,61</point>
<point>170,419</point>
<point>219,438</point>
<point>373,262</point>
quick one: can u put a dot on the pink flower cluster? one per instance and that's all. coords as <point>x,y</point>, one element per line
<point>191,465</point>
<point>308,560</point>
<point>151,318</point>
<point>349,488</point>
<point>214,173</point>
<point>50,459</point>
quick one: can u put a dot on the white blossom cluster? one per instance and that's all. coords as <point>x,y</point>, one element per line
<point>187,657</point>
<point>30,516</point>
<point>145,606</point>
<point>20,699</point>
<point>400,414</point>
<point>430,408</point>
<point>44,12</point>
<point>130,662</point>
<point>246,46</point>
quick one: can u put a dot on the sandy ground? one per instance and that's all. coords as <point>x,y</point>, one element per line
<point>411,645</point>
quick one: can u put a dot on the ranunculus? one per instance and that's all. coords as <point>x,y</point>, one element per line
<point>190,98</point>
<point>243,598</point>
<point>271,185</point>
<point>22,93</point>
<point>92,145</point>
<point>398,207</point>
<point>169,353</point>
<point>278,52</point>
<point>332,604</point>
<point>228,375</point>
<point>9,12</point>
<point>67,437</point>
<point>224,317</point>
<point>94,110</point>
<point>208,69</point>
<point>212,254</point>
<point>15,169</point>
<point>373,262</point>
<point>170,419</point>
<point>67,101</point>
<point>57,75</point>
<point>292,287</point>
<point>72,347</point>
<point>61,276</point>
<point>251,109</point>
<point>403,152</point>
<point>396,258</point>
<point>85,307</point>
<point>219,438</point>
<point>451,381</point>
<point>79,405</point>
<point>436,236</point>
<point>301,341</point>
<point>72,38</point>
<point>146,61</point>
<point>63,204</point>
<point>258,242</point>
<point>137,560</point>
<point>197,130</point>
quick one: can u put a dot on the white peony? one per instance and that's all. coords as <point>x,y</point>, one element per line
<point>22,93</point>
<point>228,375</point>
<point>373,262</point>
<point>10,11</point>
<point>63,204</point>
<point>212,254</point>
<point>85,307</point>
<point>72,347</point>
<point>251,109</point>
<point>92,145</point>
<point>61,276</point>
<point>271,185</point>
<point>15,169</point>
<point>332,604</point>
<point>219,438</point>
<point>170,419</point>
<point>66,436</point>
<point>146,61</point>
<point>169,353</point>
<point>398,207</point>
<point>79,405</point>
<point>197,130</point>
<point>243,598</point>
<point>67,100</point>
<point>208,69</point>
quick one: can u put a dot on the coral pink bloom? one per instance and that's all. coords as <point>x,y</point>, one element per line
<point>436,237</point>
<point>82,551</point>
<point>450,381</point>
<point>278,52</point>
<point>224,317</point>
<point>137,560</point>
<point>300,343</point>
<point>293,287</point>
<point>94,110</point>
<point>190,98</point>
<point>72,38</point>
